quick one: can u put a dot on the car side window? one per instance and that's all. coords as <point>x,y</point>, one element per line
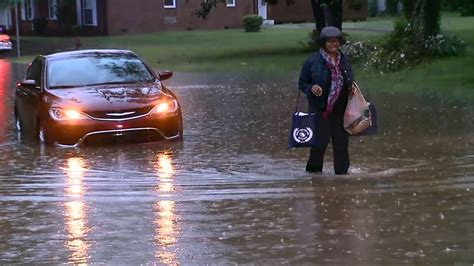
<point>35,71</point>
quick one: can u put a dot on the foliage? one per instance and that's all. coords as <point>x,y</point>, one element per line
<point>252,23</point>
<point>400,49</point>
<point>360,52</point>
<point>408,8</point>
<point>443,45</point>
<point>66,17</point>
<point>392,6</point>
<point>373,8</point>
<point>4,3</point>
<point>206,7</point>
<point>466,8</point>
<point>40,24</point>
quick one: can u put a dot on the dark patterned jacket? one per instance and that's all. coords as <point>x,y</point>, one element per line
<point>316,71</point>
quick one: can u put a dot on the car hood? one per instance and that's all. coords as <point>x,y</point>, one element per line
<point>110,97</point>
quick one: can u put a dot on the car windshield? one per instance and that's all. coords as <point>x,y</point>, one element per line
<point>96,69</point>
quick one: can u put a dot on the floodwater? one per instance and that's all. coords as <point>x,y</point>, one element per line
<point>232,192</point>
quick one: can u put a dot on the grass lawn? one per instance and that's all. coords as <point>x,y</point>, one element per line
<point>278,50</point>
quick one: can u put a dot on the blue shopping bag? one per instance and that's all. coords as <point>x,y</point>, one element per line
<point>304,129</point>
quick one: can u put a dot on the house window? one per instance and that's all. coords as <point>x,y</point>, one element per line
<point>169,3</point>
<point>27,12</point>
<point>52,9</point>
<point>89,12</point>
<point>230,3</point>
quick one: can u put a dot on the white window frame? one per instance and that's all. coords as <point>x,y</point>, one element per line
<point>27,4</point>
<point>230,4</point>
<point>94,13</point>
<point>52,9</point>
<point>172,6</point>
<point>5,17</point>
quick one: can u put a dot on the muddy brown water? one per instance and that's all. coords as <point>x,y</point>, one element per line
<point>232,193</point>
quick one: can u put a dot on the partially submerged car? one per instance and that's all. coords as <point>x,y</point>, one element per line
<point>93,97</point>
<point>5,43</point>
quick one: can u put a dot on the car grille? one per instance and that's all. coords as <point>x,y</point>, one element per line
<point>140,136</point>
<point>119,114</point>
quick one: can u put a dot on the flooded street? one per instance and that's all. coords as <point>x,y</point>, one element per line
<point>232,192</point>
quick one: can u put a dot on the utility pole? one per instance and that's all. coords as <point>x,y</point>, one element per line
<point>18,53</point>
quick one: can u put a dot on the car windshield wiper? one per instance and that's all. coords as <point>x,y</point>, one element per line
<point>63,86</point>
<point>113,82</point>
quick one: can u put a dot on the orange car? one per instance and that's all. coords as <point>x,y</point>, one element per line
<point>5,43</point>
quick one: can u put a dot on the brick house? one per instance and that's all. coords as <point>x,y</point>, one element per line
<point>113,17</point>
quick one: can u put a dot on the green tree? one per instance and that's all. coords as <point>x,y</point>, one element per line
<point>4,3</point>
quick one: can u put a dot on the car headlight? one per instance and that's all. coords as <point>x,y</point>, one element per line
<point>166,107</point>
<point>66,114</point>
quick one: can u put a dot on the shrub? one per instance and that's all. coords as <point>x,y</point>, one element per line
<point>442,45</point>
<point>399,50</point>
<point>373,8</point>
<point>467,8</point>
<point>252,23</point>
<point>359,52</point>
<point>392,7</point>
<point>40,25</point>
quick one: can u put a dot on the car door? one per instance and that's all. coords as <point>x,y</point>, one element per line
<point>27,96</point>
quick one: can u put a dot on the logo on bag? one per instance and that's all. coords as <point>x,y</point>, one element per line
<point>302,135</point>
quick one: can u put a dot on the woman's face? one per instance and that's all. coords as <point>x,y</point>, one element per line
<point>332,45</point>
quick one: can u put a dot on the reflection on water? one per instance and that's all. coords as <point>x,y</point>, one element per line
<point>76,213</point>
<point>166,220</point>
<point>4,85</point>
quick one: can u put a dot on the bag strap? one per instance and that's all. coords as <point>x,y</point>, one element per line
<point>297,101</point>
<point>365,92</point>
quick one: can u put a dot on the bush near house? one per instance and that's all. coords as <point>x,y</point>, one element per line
<point>40,25</point>
<point>252,23</point>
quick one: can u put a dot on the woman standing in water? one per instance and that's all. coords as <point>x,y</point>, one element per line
<point>325,79</point>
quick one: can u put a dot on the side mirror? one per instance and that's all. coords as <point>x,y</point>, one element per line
<point>165,74</point>
<point>29,83</point>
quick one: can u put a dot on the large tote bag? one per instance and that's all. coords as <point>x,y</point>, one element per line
<point>360,115</point>
<point>304,128</point>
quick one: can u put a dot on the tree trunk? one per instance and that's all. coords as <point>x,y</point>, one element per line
<point>336,10</point>
<point>318,14</point>
<point>425,18</point>
<point>334,18</point>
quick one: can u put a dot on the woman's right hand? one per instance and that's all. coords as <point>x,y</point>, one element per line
<point>317,90</point>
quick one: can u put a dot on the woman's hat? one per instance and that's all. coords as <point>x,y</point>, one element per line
<point>330,32</point>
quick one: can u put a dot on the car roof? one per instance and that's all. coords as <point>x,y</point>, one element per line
<point>77,53</point>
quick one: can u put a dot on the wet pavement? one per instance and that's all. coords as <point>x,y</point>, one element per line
<point>232,193</point>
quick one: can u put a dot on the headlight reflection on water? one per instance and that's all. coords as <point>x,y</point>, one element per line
<point>75,211</point>
<point>166,222</point>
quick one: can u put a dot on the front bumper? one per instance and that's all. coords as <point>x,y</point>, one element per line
<point>89,131</point>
